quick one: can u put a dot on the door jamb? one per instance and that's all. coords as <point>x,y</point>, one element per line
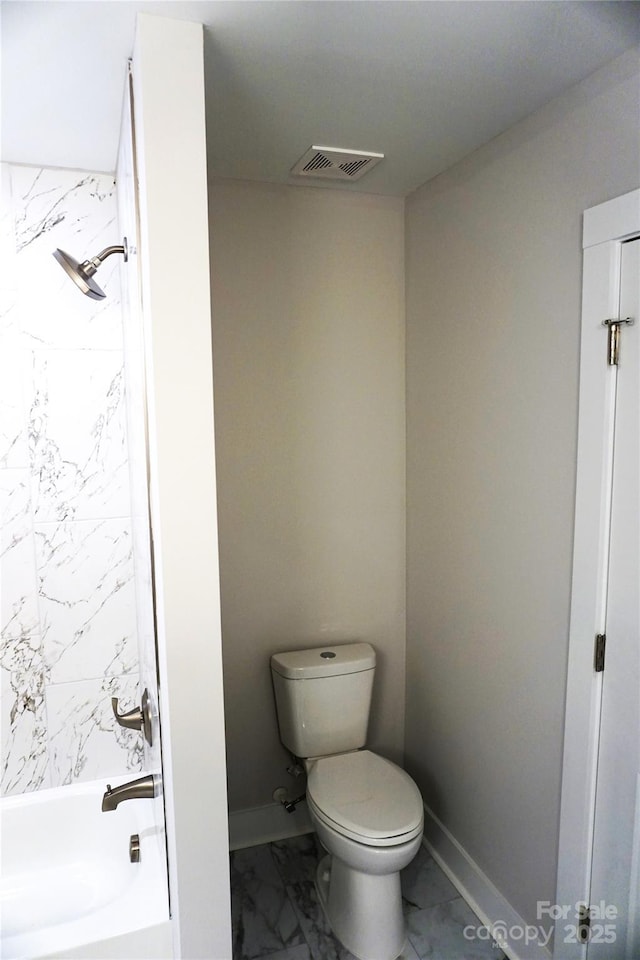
<point>604,228</point>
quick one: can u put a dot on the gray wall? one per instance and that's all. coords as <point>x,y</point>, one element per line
<point>493,311</point>
<point>308,337</point>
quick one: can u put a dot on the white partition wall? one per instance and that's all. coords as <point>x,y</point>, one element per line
<point>174,254</point>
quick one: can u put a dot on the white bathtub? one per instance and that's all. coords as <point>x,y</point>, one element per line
<point>67,882</point>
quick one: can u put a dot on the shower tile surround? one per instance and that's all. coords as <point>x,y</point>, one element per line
<point>276,914</point>
<point>67,596</point>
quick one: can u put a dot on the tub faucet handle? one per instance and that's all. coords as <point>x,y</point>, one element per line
<point>137,719</point>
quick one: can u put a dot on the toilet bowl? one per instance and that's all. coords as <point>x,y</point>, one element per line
<point>367,811</point>
<point>368,815</point>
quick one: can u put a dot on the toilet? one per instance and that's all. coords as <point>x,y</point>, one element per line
<point>367,811</point>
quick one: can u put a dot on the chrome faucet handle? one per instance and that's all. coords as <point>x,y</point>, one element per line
<point>137,719</point>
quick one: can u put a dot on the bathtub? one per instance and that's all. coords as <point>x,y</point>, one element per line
<point>67,885</point>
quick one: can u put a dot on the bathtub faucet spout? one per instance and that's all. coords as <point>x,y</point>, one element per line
<point>142,789</point>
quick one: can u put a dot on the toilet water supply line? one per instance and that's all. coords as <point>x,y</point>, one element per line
<point>281,794</point>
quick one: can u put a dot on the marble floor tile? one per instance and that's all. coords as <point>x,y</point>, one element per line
<point>297,858</point>
<point>266,878</point>
<point>424,883</point>
<point>322,943</point>
<point>408,952</point>
<point>263,919</point>
<point>301,952</point>
<point>438,933</point>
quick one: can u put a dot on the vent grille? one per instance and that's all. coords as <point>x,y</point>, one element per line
<point>317,162</point>
<point>334,163</point>
<point>354,166</point>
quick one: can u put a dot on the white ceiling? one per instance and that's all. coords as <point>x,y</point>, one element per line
<point>422,82</point>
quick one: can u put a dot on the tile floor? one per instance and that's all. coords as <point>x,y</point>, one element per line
<point>276,913</point>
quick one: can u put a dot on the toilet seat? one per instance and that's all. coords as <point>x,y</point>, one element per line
<point>365,797</point>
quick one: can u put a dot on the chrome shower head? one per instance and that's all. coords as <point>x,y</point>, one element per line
<point>82,273</point>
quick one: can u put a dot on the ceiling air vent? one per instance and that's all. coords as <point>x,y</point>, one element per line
<point>334,163</point>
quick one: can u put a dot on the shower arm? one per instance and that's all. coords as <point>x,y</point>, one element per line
<point>90,266</point>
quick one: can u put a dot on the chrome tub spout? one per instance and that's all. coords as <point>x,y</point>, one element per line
<point>142,789</point>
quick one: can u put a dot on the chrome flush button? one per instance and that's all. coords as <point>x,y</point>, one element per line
<point>327,655</point>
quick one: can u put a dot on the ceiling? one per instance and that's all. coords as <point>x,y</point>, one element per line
<point>425,83</point>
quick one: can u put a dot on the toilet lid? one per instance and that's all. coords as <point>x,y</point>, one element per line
<point>366,795</point>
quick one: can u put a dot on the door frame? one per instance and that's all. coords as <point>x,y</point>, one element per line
<point>605,227</point>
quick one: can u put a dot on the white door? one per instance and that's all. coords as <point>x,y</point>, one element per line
<point>615,888</point>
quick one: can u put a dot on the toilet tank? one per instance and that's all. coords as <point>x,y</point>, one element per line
<point>323,698</point>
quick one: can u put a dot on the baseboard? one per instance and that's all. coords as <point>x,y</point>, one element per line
<point>249,828</point>
<point>522,941</point>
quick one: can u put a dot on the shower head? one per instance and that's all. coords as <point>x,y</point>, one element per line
<point>82,273</point>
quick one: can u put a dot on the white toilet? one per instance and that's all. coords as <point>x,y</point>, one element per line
<point>368,813</point>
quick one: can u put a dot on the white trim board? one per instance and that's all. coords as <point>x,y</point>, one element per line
<point>612,220</point>
<point>483,897</point>
<point>249,828</point>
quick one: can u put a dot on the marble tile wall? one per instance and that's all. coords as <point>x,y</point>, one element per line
<point>67,596</point>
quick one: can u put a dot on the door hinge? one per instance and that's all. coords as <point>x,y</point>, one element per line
<point>583,927</point>
<point>598,656</point>
<point>613,327</point>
